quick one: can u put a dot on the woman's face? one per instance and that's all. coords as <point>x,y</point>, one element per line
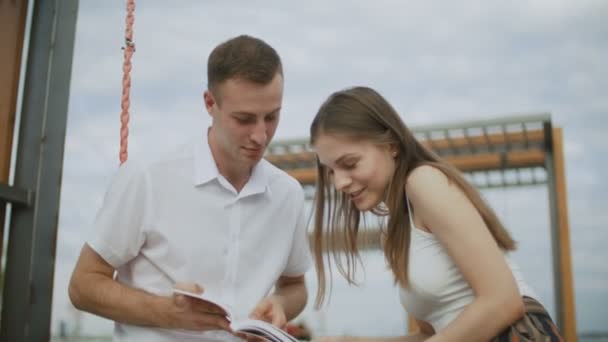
<point>358,168</point>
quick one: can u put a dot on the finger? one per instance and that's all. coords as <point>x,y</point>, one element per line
<point>260,311</point>
<point>189,287</point>
<point>279,321</point>
<point>277,318</point>
<point>215,321</point>
<point>240,335</point>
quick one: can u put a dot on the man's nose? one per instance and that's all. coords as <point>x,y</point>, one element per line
<point>259,134</point>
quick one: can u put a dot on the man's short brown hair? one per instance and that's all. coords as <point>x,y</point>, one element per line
<point>243,57</point>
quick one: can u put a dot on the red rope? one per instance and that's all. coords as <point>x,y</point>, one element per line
<point>129,49</point>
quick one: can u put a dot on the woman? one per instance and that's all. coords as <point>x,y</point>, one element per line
<point>443,243</point>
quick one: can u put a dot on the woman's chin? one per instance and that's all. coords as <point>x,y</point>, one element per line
<point>361,209</point>
<point>363,205</point>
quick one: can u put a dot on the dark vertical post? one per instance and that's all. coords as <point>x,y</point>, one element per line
<point>27,297</point>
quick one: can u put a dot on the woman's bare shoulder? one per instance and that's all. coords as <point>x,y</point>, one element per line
<point>424,177</point>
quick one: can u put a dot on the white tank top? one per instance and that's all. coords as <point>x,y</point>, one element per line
<point>438,291</point>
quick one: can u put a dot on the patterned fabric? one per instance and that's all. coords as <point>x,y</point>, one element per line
<point>536,325</point>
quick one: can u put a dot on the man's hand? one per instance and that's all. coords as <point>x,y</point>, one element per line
<point>195,314</point>
<point>270,310</point>
<point>93,289</point>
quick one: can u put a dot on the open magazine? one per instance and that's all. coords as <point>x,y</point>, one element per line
<point>251,327</point>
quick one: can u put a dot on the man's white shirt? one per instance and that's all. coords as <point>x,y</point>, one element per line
<point>178,220</point>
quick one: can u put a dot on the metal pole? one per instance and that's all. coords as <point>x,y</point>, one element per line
<point>27,297</point>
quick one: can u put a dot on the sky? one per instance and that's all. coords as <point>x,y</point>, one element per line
<point>436,62</point>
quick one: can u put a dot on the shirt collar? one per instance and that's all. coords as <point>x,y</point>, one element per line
<point>206,169</point>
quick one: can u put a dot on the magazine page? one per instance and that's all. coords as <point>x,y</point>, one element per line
<point>254,327</point>
<point>263,329</point>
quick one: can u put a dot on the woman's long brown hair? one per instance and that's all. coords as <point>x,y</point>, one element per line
<point>361,113</point>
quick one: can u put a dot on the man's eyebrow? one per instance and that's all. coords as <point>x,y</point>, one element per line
<point>274,111</point>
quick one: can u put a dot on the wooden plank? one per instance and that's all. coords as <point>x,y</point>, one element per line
<point>478,162</point>
<point>287,158</point>
<point>466,163</point>
<point>565,265</point>
<point>304,176</point>
<point>533,137</point>
<point>494,139</point>
<point>12,30</point>
<point>497,161</point>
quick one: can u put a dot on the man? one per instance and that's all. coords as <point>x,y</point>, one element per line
<point>214,214</point>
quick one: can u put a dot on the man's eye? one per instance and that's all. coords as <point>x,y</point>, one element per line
<point>350,166</point>
<point>244,120</point>
<point>271,118</point>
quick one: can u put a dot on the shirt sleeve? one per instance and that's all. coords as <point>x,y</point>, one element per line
<point>118,232</point>
<point>299,260</point>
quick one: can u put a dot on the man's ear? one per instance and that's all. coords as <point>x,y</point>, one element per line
<point>209,101</point>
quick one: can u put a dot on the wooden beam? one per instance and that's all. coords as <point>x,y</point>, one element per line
<point>12,30</point>
<point>304,176</point>
<point>288,158</point>
<point>497,161</point>
<point>465,163</point>
<point>478,141</point>
<point>565,263</point>
<point>474,142</point>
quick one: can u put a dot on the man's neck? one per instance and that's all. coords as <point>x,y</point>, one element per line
<point>238,180</point>
<point>234,173</point>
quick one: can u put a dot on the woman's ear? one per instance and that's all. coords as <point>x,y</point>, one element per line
<point>394,151</point>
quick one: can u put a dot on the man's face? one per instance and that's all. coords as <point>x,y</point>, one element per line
<point>244,119</point>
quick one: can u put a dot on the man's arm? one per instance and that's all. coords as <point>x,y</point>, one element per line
<point>93,289</point>
<point>292,294</point>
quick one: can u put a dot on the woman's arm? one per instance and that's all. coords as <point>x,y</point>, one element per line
<point>446,211</point>
<point>417,337</point>
<point>425,331</point>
